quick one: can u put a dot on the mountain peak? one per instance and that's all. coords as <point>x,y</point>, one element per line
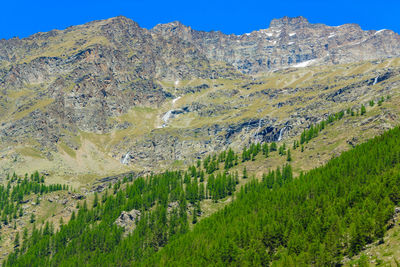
<point>289,21</point>
<point>171,27</point>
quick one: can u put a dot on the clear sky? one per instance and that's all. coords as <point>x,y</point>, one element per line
<point>23,18</point>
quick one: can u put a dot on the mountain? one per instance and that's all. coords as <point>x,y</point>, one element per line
<point>289,42</point>
<point>109,96</point>
<point>121,145</point>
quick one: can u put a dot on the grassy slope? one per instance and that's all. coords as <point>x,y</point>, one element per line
<point>308,99</point>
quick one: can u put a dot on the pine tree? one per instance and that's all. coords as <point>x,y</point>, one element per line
<point>363,110</point>
<point>96,200</point>
<point>289,156</point>
<point>265,149</point>
<point>16,240</point>
<point>244,172</point>
<point>32,220</point>
<point>273,147</point>
<point>194,215</point>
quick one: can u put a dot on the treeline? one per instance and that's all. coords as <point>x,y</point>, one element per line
<point>313,131</point>
<point>12,195</point>
<point>316,219</point>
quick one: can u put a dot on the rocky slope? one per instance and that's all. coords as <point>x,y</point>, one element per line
<point>109,96</point>
<point>289,42</point>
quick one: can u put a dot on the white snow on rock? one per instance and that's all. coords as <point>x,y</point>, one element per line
<point>304,63</point>
<point>175,99</point>
<point>380,31</point>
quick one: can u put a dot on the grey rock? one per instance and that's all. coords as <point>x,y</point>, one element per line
<point>128,220</point>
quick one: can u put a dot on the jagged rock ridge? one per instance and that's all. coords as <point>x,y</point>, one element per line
<point>289,42</point>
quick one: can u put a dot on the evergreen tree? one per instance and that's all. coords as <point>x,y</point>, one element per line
<point>273,147</point>
<point>244,173</point>
<point>194,216</point>
<point>289,156</point>
<point>16,240</point>
<point>363,110</point>
<point>96,200</point>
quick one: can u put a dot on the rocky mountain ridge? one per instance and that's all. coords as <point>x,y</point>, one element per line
<point>96,97</point>
<point>289,42</point>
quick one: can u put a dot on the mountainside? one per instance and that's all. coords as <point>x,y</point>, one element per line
<point>314,219</point>
<point>109,96</point>
<point>124,146</point>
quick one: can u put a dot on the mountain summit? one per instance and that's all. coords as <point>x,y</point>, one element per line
<point>285,21</point>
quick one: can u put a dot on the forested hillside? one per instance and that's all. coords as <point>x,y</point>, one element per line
<point>316,218</point>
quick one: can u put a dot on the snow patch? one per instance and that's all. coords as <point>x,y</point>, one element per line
<point>304,63</point>
<point>292,33</point>
<point>290,43</point>
<point>175,99</point>
<point>331,35</point>
<point>357,43</point>
<point>380,31</point>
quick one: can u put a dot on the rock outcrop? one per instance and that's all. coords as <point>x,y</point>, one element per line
<point>128,220</point>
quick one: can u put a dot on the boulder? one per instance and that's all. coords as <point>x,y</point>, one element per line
<point>128,220</point>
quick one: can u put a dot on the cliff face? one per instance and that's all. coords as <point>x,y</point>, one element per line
<point>289,42</point>
<point>111,90</point>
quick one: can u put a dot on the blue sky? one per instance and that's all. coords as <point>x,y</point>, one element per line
<point>23,18</point>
